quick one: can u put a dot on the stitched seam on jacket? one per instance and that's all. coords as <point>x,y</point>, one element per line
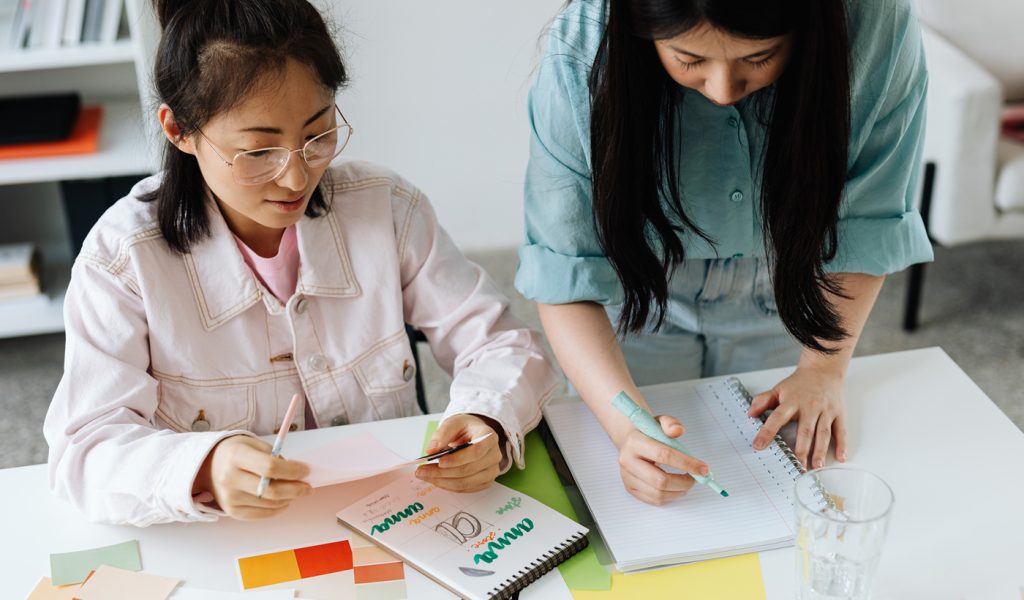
<point>403,236</point>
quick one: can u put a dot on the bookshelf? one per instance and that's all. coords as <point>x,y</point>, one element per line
<point>115,76</point>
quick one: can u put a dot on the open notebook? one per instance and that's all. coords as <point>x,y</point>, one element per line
<point>757,515</point>
<point>487,544</point>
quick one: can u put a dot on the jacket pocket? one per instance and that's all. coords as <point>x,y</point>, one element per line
<point>387,378</point>
<point>183,406</point>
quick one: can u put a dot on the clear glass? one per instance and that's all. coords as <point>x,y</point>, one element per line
<point>842,519</point>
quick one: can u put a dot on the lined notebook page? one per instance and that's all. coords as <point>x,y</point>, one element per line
<point>757,515</point>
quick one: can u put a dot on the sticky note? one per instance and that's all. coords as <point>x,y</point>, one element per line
<point>111,583</point>
<point>733,577</point>
<point>45,590</point>
<point>73,567</point>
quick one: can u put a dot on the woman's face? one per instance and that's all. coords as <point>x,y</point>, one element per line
<point>285,111</point>
<point>723,67</point>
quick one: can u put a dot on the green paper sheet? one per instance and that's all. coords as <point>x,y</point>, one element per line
<point>539,480</point>
<point>73,567</point>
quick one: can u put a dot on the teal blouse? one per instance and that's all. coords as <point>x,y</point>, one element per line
<point>880,232</point>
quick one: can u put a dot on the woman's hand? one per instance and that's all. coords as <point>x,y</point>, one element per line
<point>232,471</point>
<point>639,457</point>
<point>815,398</point>
<point>471,469</point>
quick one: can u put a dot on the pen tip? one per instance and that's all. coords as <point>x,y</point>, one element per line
<point>725,494</point>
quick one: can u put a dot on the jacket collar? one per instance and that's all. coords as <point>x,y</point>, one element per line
<point>224,286</point>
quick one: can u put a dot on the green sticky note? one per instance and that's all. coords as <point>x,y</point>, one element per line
<point>540,481</point>
<point>73,567</point>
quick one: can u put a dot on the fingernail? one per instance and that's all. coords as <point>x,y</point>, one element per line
<point>817,464</point>
<point>758,445</point>
<point>842,457</point>
<point>704,471</point>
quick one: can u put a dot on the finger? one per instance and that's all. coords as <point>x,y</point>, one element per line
<point>262,464</point>
<point>471,454</point>
<point>283,489</point>
<point>474,482</point>
<point>648,493</point>
<point>771,427</point>
<point>656,452</point>
<point>432,472</point>
<point>763,402</point>
<point>249,513</point>
<point>839,433</point>
<point>450,431</point>
<point>671,425</point>
<point>655,478</point>
<point>242,488</point>
<point>805,435</point>
<point>822,437</point>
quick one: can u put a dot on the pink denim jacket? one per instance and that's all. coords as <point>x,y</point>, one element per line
<point>167,354</point>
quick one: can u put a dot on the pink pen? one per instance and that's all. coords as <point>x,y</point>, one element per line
<point>283,431</point>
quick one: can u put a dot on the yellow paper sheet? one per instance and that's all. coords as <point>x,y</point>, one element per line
<point>45,590</point>
<point>733,578</point>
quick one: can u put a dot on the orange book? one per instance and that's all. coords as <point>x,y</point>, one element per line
<point>84,139</point>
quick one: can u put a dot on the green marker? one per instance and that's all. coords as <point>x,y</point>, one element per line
<point>644,421</point>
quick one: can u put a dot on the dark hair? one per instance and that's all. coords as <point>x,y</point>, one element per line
<point>638,215</point>
<point>212,54</point>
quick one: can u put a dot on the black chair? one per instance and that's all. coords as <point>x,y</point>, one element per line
<point>416,336</point>
<point>916,283</point>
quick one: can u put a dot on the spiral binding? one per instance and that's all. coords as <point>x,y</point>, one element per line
<point>544,563</point>
<point>793,465</point>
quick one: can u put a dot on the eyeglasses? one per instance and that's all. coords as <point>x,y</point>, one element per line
<point>255,167</point>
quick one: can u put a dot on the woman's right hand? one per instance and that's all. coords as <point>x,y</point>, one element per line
<point>232,471</point>
<point>639,457</point>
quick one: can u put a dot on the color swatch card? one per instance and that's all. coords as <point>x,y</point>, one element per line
<point>486,544</point>
<point>73,567</point>
<point>111,583</point>
<point>45,590</point>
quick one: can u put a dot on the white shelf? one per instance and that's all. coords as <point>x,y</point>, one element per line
<point>29,316</point>
<point>84,55</point>
<point>123,150</point>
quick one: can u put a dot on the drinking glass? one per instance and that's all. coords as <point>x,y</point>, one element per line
<point>842,518</point>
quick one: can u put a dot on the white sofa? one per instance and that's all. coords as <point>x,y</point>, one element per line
<point>974,180</point>
<point>975,55</point>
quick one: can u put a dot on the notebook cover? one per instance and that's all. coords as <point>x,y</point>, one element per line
<point>84,139</point>
<point>29,119</point>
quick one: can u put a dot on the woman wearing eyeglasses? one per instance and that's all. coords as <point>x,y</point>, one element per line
<point>250,270</point>
<point>717,186</point>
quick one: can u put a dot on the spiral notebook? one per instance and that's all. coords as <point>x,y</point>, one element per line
<point>487,544</point>
<point>758,514</point>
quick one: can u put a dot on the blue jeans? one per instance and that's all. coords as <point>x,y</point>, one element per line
<point>721,319</point>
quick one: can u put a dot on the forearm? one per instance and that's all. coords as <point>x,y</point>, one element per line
<point>584,341</point>
<point>861,291</point>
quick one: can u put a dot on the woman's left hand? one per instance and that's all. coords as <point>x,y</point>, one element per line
<point>815,398</point>
<point>471,469</point>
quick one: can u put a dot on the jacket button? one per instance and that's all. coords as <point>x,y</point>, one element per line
<point>200,424</point>
<point>408,371</point>
<point>317,362</point>
<point>736,196</point>
<point>339,420</point>
<point>300,306</point>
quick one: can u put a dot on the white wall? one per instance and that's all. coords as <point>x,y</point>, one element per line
<point>438,93</point>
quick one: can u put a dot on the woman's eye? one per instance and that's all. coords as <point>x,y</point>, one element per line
<point>691,65</point>
<point>257,153</point>
<point>762,62</point>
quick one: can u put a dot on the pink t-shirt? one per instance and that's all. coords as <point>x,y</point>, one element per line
<point>279,273</point>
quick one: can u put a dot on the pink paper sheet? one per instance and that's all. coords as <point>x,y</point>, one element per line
<point>348,459</point>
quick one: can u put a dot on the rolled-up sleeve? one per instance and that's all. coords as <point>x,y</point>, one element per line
<point>880,231</point>
<point>561,260</point>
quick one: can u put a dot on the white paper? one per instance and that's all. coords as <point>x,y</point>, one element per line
<point>197,594</point>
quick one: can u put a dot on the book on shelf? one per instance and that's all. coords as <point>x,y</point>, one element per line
<point>93,21</point>
<point>111,22</point>
<point>20,21</point>
<point>84,139</point>
<point>19,271</point>
<point>74,21</point>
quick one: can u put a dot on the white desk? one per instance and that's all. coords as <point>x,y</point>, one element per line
<point>952,536</point>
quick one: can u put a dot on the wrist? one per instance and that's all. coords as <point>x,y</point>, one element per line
<point>833,367</point>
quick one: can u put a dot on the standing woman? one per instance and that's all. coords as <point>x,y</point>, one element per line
<point>718,186</point>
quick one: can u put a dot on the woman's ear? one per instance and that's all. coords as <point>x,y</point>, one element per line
<point>172,131</point>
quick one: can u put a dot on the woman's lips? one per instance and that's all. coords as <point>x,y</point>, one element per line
<point>288,205</point>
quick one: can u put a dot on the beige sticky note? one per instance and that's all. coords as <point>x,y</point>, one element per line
<point>111,583</point>
<point>45,590</point>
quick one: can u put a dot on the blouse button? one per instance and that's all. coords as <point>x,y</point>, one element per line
<point>407,371</point>
<point>732,121</point>
<point>300,306</point>
<point>736,196</point>
<point>339,420</point>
